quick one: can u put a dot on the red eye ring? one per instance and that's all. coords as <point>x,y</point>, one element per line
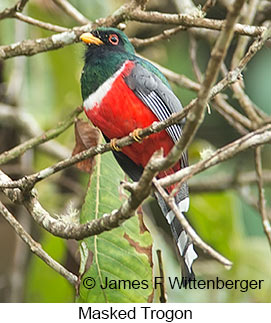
<point>114,39</point>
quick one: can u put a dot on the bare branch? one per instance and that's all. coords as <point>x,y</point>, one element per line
<point>191,21</point>
<point>193,57</point>
<point>222,182</point>
<point>44,137</point>
<point>71,11</point>
<point>164,35</point>
<point>243,41</point>
<point>188,229</point>
<point>38,23</point>
<point>29,181</point>
<point>262,202</point>
<point>35,247</point>
<point>31,47</point>
<point>9,12</point>
<point>163,293</point>
<point>237,117</point>
<point>195,117</point>
<point>253,139</point>
<point>127,11</point>
<point>141,190</point>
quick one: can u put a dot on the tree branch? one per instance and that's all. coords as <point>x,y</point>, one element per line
<point>35,247</point>
<point>195,117</point>
<point>191,21</point>
<point>163,293</point>
<point>71,11</point>
<point>253,139</point>
<point>44,137</point>
<point>62,228</point>
<point>188,229</point>
<point>166,34</point>
<point>128,11</point>
<point>223,182</point>
<point>28,182</point>
<point>9,12</point>
<point>262,202</point>
<point>38,23</point>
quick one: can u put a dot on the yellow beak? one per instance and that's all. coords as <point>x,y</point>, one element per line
<point>88,38</point>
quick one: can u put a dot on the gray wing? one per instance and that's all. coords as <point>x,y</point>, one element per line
<point>158,97</point>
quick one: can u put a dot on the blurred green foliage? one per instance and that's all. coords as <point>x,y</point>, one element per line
<point>50,90</point>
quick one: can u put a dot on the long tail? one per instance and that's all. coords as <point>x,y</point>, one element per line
<point>183,241</point>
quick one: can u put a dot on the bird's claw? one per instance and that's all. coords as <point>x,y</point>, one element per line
<point>114,145</point>
<point>135,135</point>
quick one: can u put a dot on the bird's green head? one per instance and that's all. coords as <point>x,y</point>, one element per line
<point>105,40</point>
<point>107,49</point>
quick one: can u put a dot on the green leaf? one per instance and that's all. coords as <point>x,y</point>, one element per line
<point>120,254</point>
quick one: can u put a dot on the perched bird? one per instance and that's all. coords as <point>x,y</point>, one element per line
<point>123,93</point>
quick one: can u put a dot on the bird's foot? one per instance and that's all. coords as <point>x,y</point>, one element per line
<point>114,145</point>
<point>135,135</point>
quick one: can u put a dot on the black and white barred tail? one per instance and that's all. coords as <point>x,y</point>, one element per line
<point>182,240</point>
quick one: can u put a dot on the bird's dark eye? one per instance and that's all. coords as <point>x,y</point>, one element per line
<point>114,39</point>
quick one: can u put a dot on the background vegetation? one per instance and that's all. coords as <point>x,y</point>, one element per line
<point>45,88</point>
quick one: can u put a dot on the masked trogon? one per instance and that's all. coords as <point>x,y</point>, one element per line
<point>122,93</point>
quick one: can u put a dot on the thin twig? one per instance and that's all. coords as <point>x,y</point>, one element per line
<point>243,41</point>
<point>46,136</point>
<point>193,56</point>
<point>35,247</point>
<point>253,139</point>
<point>141,190</point>
<point>163,293</point>
<point>127,11</point>
<point>166,34</point>
<point>38,23</point>
<point>225,110</point>
<point>9,12</point>
<point>222,181</point>
<point>208,4</point>
<point>233,113</point>
<point>195,117</point>
<point>29,181</point>
<point>262,202</point>
<point>71,11</point>
<point>191,21</point>
<point>189,230</point>
<point>27,125</point>
<point>246,104</point>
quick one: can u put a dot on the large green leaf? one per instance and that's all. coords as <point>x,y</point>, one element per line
<point>120,254</point>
